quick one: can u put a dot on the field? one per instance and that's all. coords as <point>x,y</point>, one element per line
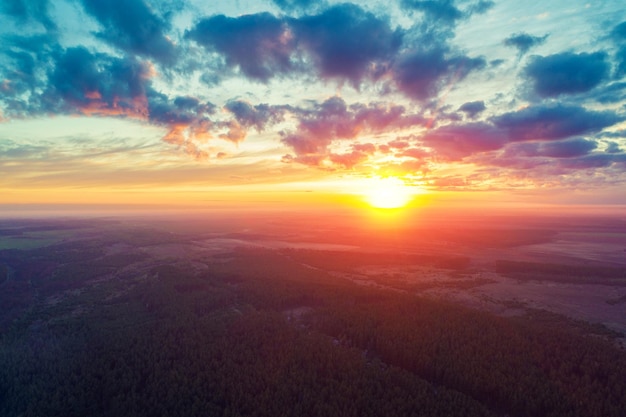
<point>269,315</point>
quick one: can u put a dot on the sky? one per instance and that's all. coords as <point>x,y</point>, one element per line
<point>189,102</point>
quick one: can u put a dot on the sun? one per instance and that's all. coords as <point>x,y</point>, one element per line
<point>387,193</point>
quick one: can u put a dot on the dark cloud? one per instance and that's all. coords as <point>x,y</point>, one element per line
<point>132,26</point>
<point>613,147</point>
<point>610,93</point>
<point>549,122</point>
<point>445,11</point>
<point>26,59</point>
<point>343,42</point>
<point>594,161</point>
<point>183,111</point>
<point>523,42</point>
<point>567,73</point>
<point>25,10</point>
<point>620,58</point>
<point>248,116</point>
<point>260,45</point>
<point>473,108</point>
<point>560,149</point>
<point>480,7</point>
<point>618,34</point>
<point>455,142</point>
<point>255,116</point>
<point>97,83</point>
<point>419,74</point>
<point>567,148</point>
<point>346,41</point>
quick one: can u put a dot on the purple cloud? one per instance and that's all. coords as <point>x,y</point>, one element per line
<point>419,74</point>
<point>345,41</point>
<point>334,120</point>
<point>473,108</point>
<point>260,45</point>
<point>455,142</point>
<point>549,122</point>
<point>594,161</point>
<point>258,116</point>
<point>560,149</point>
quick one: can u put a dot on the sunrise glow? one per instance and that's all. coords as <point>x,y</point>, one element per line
<point>387,193</point>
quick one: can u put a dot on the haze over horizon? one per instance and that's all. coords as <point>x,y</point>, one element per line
<point>154,103</point>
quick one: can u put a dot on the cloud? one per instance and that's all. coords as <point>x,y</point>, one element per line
<point>620,57</point>
<point>132,26</point>
<point>560,149</point>
<point>334,120</point>
<point>12,150</point>
<point>420,73</point>
<point>346,41</point>
<point>258,116</point>
<point>473,108</point>
<point>618,34</point>
<point>367,148</point>
<point>343,42</point>
<point>524,42</point>
<point>260,45</point>
<point>398,144</point>
<point>567,148</point>
<point>25,10</point>
<point>23,69</point>
<point>97,84</point>
<point>613,147</point>
<point>186,117</point>
<point>416,153</point>
<point>348,160</point>
<point>445,11</point>
<point>455,142</point>
<point>79,81</point>
<point>567,73</point>
<point>594,161</point>
<point>550,122</point>
<point>610,93</point>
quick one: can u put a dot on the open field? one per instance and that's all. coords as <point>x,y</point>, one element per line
<point>423,309</point>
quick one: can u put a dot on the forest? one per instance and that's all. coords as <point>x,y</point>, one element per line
<point>88,330</point>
